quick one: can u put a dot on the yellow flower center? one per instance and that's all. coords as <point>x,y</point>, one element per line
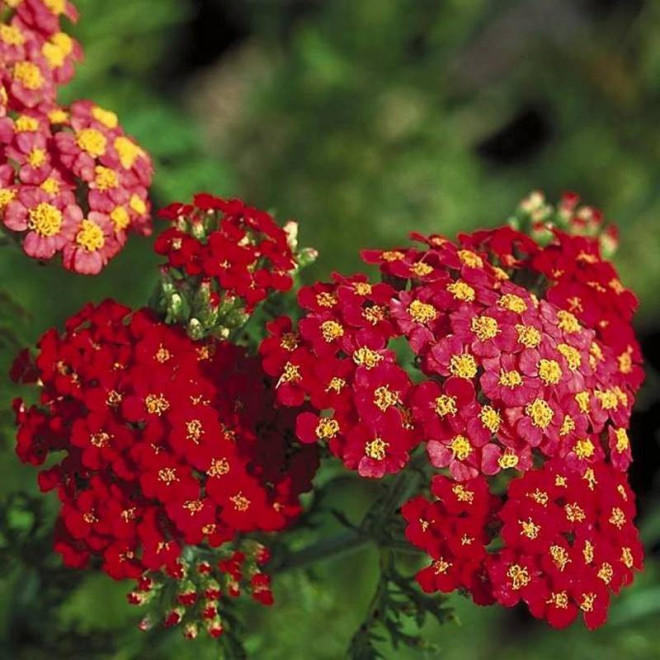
<point>549,371</point>
<point>327,428</point>
<point>559,556</point>
<point>529,528</point>
<point>105,178</point>
<point>6,196</point>
<point>587,602</point>
<point>55,6</point>
<point>11,35</point>
<point>392,255</point>
<point>539,496</point>
<point>627,557</point>
<point>362,288</point>
<point>326,299</point>
<point>588,552</point>
<point>584,448</point>
<point>567,425</point>
<point>568,322</point>
<point>422,312</point>
<point>127,151</point>
<point>289,341</point>
<point>559,599</point>
<point>617,518</point>
<point>50,186</point>
<point>606,572</point>
<point>510,379</point>
<point>26,124</point>
<point>462,493</point>
<point>92,141</point>
<point>194,430</point>
<point>572,356</point>
<point>519,576</point>
<point>36,157</point>
<point>366,357</point>
<point>240,502</point>
<point>622,441</point>
<point>45,219</point>
<point>58,116</point>
<point>582,399</point>
<point>376,449</point>
<point>508,459</point>
<point>119,218</point>
<point>512,302</point>
<point>441,566</point>
<point>290,374</point>
<point>462,291</point>
<point>101,439</point>
<point>331,330</point>
<point>29,75</point>
<point>470,259</point>
<point>460,447</point>
<point>574,512</point>
<point>484,327</point>
<point>335,385</point>
<point>90,236</point>
<point>137,204</point>
<point>156,404</point>
<point>105,117</point>
<point>421,269</point>
<point>463,365</point>
<point>167,475</point>
<point>540,412</point>
<point>445,405</point>
<point>374,314</point>
<point>384,398</point>
<point>490,418</point>
<point>218,468</point>
<point>625,361</point>
<point>528,335</point>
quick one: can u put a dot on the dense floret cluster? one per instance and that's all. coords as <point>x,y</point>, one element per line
<point>164,442</point>
<point>238,253</point>
<point>71,181</point>
<point>527,364</point>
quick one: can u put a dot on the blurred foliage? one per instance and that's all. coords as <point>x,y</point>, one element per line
<point>363,120</point>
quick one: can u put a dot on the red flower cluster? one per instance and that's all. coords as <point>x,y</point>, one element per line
<point>71,180</point>
<point>202,588</point>
<point>166,442</point>
<point>565,540</point>
<point>236,250</point>
<point>510,377</point>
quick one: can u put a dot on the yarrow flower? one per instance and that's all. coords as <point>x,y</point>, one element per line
<point>234,255</point>
<point>71,181</point>
<point>163,443</point>
<point>513,380</point>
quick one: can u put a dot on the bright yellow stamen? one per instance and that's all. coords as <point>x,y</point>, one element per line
<point>327,428</point>
<point>508,459</point>
<point>617,518</point>
<point>326,299</point>
<point>92,141</point>
<point>529,528</point>
<point>290,374</point>
<point>6,196</point>
<point>11,35</point>
<point>127,151</point>
<point>331,330</point>
<point>392,255</point>
<point>445,405</point>
<point>490,418</point>
<point>627,557</point>
<point>156,404</point>
<point>574,512</point>
<point>120,218</point>
<point>519,576</point>
<point>584,448</point>
<point>51,186</point>
<point>606,572</point>
<point>90,236</point>
<point>105,178</point>
<point>137,204</point>
<point>513,303</point>
<point>366,357</point>
<point>29,75</point>
<point>540,412</point>
<point>26,124</point>
<point>58,116</point>
<point>484,327</point>
<point>559,599</point>
<point>462,291</point>
<point>559,556</point>
<point>549,371</point>
<point>572,356</point>
<point>568,322</point>
<point>622,441</point>
<point>45,219</point>
<point>421,269</point>
<point>362,288</point>
<point>460,447</point>
<point>567,426</point>
<point>528,335</point>
<point>384,398</point>
<point>463,365</point>
<point>376,449</point>
<point>36,157</point>
<point>462,493</point>
<point>510,379</point>
<point>582,399</point>
<point>470,259</point>
<point>106,117</point>
<point>421,312</point>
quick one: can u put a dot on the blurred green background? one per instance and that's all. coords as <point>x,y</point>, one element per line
<point>363,120</point>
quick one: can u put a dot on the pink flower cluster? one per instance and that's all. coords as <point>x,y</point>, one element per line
<point>71,181</point>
